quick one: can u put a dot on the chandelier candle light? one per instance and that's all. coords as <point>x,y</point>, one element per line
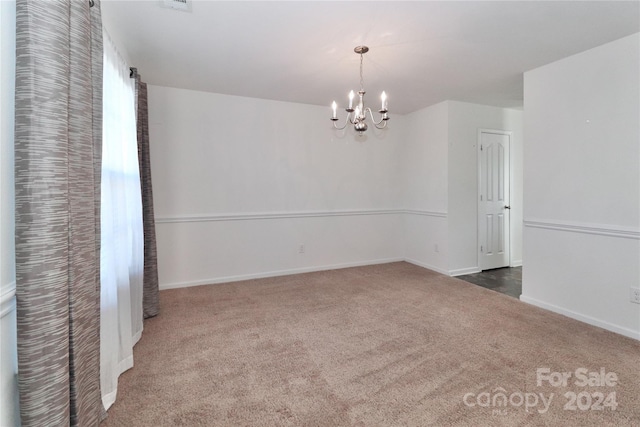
<point>360,112</point>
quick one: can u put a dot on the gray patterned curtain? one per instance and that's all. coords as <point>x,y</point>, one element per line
<point>151,294</point>
<point>57,165</point>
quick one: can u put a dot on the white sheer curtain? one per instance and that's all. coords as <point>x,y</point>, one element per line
<point>122,249</point>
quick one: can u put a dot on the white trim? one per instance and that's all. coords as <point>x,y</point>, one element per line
<point>462,271</point>
<point>276,273</point>
<point>584,228</point>
<point>582,318</point>
<point>288,272</point>
<point>272,215</point>
<point>423,213</point>
<point>516,263</point>
<point>301,214</point>
<point>427,266</point>
<point>8,300</point>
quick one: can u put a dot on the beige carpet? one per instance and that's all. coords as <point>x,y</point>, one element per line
<point>386,345</point>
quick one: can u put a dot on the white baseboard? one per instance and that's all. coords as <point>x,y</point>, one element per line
<point>276,273</point>
<point>556,309</point>
<point>462,271</point>
<point>583,318</point>
<point>516,263</point>
<point>427,266</point>
<point>265,274</point>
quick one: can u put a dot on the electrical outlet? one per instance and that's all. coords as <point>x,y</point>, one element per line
<point>634,295</point>
<point>301,249</point>
<point>436,248</point>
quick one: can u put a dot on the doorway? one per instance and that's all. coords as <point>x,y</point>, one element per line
<point>494,171</point>
<point>506,280</point>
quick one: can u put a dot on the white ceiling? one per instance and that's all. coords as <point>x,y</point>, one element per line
<point>421,52</point>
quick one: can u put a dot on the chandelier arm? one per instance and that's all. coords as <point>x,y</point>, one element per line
<point>340,128</point>
<point>374,120</point>
<point>384,125</point>
<point>346,122</point>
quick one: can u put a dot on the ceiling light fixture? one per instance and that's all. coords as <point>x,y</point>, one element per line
<point>360,112</point>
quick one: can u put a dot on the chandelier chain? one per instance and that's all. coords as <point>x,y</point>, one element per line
<point>361,78</point>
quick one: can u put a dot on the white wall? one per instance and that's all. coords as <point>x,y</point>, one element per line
<point>424,186</point>
<point>241,183</point>
<point>582,186</point>
<point>440,174</point>
<point>464,122</point>
<point>9,413</point>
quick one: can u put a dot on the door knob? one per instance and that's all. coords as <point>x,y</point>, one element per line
<point>507,207</point>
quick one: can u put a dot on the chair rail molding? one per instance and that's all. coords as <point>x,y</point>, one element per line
<point>421,212</point>
<point>293,214</point>
<point>584,228</point>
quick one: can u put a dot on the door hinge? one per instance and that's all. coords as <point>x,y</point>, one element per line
<point>481,197</point>
<point>480,147</point>
<point>481,248</point>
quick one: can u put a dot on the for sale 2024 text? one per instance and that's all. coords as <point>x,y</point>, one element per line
<point>582,377</point>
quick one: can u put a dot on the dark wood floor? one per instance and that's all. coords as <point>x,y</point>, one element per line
<point>506,280</point>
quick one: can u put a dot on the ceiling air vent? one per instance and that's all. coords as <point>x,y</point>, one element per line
<point>183,5</point>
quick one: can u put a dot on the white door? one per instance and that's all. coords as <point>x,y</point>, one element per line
<point>493,199</point>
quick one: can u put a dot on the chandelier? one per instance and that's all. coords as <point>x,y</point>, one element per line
<point>357,116</point>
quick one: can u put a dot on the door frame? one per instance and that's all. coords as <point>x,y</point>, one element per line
<point>479,187</point>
